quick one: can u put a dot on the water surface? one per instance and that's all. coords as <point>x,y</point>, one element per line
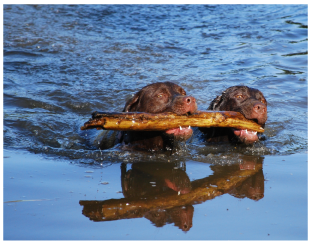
<point>62,62</point>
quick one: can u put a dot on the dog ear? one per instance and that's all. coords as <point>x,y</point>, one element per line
<point>216,103</point>
<point>177,88</point>
<point>132,103</point>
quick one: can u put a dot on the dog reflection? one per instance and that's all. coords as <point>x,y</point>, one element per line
<point>253,187</point>
<point>146,180</point>
<point>148,183</point>
<point>180,216</point>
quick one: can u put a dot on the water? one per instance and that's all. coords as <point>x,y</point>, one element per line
<point>62,62</point>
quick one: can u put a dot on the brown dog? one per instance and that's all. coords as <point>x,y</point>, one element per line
<point>158,98</point>
<point>249,102</point>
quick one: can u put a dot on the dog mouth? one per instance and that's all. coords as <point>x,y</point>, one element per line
<point>246,136</point>
<point>181,132</point>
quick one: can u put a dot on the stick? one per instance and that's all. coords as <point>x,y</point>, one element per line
<point>140,121</point>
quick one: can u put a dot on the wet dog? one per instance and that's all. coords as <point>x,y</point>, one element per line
<point>156,98</point>
<point>249,102</point>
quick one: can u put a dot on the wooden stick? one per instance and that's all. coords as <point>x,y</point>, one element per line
<point>140,121</point>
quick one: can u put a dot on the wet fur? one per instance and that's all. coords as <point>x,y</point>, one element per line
<point>248,101</point>
<point>154,98</point>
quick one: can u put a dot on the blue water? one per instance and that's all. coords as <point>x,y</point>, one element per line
<point>62,62</point>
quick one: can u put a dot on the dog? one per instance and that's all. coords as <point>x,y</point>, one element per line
<point>249,102</point>
<point>155,98</point>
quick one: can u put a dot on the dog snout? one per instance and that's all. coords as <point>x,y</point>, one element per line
<point>184,104</point>
<point>260,108</point>
<point>189,100</point>
<point>259,112</point>
<point>191,103</point>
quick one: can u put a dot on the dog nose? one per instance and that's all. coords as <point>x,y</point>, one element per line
<point>189,100</point>
<point>184,104</point>
<point>259,112</point>
<point>260,108</point>
<point>191,104</point>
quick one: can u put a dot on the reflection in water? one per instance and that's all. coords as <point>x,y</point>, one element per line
<point>181,217</point>
<point>148,179</point>
<point>145,180</point>
<point>163,193</point>
<point>253,186</point>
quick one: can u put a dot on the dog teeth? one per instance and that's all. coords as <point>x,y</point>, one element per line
<point>251,132</point>
<point>182,128</point>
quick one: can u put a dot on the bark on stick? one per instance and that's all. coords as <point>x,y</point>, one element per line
<point>140,121</point>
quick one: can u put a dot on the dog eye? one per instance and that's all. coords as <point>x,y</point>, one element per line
<point>263,101</point>
<point>160,95</point>
<point>239,96</point>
